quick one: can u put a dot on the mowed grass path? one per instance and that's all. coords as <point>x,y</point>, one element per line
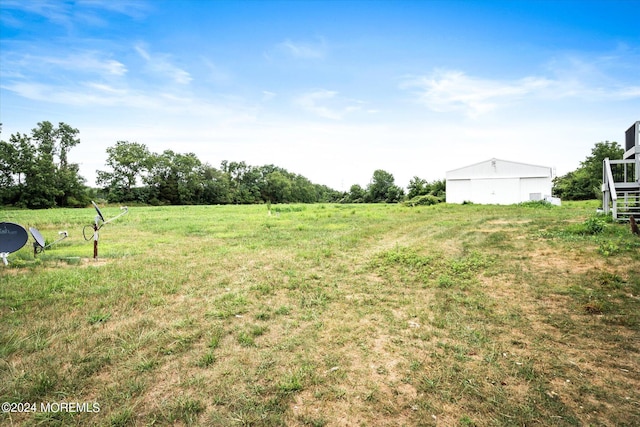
<point>325,315</point>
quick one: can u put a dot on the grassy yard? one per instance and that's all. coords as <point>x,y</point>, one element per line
<point>325,315</point>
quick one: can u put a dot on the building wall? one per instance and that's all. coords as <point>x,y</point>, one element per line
<point>498,182</point>
<point>529,186</point>
<point>498,191</point>
<point>457,191</point>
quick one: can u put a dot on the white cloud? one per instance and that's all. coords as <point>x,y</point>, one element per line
<point>161,64</point>
<point>310,102</point>
<point>69,14</point>
<point>268,95</point>
<point>81,61</point>
<point>104,88</point>
<point>96,94</point>
<point>132,8</point>
<point>327,104</point>
<point>215,73</point>
<point>142,52</point>
<point>450,90</point>
<point>304,50</point>
<point>608,77</point>
<point>93,79</point>
<point>52,10</point>
<point>90,61</point>
<point>597,79</point>
<point>92,94</point>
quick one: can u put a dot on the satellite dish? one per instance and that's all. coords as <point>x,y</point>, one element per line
<point>39,240</point>
<point>40,245</point>
<point>98,210</point>
<point>12,238</point>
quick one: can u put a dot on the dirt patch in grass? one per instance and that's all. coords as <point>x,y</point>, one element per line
<point>12,271</point>
<point>563,262</point>
<point>561,337</point>
<point>76,262</point>
<point>507,221</point>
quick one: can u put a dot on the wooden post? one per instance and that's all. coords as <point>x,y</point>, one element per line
<point>634,226</point>
<point>95,241</point>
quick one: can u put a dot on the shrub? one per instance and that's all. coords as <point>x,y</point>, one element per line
<point>425,200</point>
<point>594,225</point>
<point>536,204</point>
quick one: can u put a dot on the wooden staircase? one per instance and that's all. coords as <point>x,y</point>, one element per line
<point>621,189</point>
<point>628,204</point>
<point>621,179</point>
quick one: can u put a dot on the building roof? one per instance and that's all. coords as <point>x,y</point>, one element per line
<point>496,168</point>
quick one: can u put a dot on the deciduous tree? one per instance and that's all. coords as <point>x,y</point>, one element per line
<point>383,189</point>
<point>128,162</point>
<point>35,170</point>
<point>585,182</point>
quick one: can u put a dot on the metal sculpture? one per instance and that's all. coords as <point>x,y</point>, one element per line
<point>97,226</point>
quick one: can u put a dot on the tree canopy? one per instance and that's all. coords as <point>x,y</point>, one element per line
<point>35,171</point>
<point>128,161</point>
<point>174,178</point>
<point>585,182</point>
<point>383,189</point>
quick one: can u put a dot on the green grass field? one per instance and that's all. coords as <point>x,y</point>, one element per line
<point>325,315</point>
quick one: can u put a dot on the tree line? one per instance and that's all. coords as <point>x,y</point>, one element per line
<point>169,178</point>
<point>35,173</point>
<point>138,175</point>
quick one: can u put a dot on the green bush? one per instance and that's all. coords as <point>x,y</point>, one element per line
<point>594,225</point>
<point>426,200</point>
<point>536,204</point>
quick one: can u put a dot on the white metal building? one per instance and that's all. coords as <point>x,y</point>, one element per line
<point>499,182</point>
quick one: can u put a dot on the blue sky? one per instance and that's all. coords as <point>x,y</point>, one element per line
<point>332,90</point>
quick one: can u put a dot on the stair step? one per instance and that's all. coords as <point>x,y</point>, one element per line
<point>628,204</point>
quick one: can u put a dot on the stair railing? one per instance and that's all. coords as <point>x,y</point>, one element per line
<point>609,189</point>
